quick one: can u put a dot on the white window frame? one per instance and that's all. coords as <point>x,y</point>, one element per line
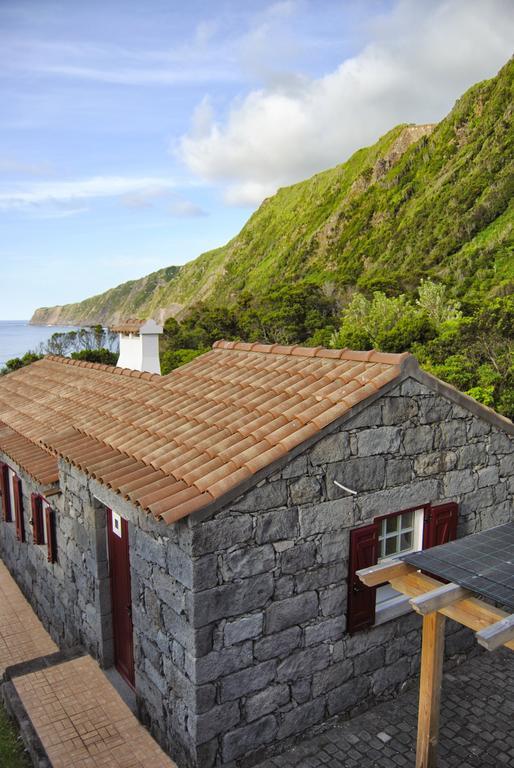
<point>389,603</point>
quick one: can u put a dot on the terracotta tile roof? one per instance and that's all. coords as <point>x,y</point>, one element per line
<point>127,326</point>
<point>173,444</point>
<point>31,457</point>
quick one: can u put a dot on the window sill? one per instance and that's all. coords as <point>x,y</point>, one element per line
<point>392,609</point>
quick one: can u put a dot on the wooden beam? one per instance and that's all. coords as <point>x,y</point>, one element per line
<point>378,574</point>
<point>439,598</point>
<point>497,634</point>
<point>470,612</point>
<point>432,652</point>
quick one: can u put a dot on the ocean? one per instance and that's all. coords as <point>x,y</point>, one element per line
<point>18,337</point>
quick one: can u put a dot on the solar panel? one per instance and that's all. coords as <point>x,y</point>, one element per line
<point>482,562</point>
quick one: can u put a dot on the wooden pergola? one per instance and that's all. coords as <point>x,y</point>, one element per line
<point>477,567</point>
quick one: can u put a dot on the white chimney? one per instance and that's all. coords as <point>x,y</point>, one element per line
<point>139,345</point>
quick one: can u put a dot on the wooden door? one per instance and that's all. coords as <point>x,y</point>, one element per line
<point>119,570</point>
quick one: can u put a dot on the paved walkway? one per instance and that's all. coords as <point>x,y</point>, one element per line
<point>477,725</point>
<point>22,636</point>
<point>79,717</point>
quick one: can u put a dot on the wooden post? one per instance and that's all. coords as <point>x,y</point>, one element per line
<point>432,652</point>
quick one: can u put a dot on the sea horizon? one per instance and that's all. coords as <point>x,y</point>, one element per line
<point>18,337</point>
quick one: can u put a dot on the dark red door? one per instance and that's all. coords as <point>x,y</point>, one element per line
<point>119,569</point>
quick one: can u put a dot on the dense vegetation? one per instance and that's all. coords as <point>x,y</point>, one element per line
<point>469,347</point>
<point>365,253</point>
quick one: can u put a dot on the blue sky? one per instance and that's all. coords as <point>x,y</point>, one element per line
<point>137,135</point>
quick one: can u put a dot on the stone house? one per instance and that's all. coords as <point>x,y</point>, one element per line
<point>201,530</point>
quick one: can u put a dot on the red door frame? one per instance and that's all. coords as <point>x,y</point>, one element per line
<point>121,599</point>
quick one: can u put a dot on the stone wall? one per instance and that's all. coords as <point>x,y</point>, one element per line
<point>72,596</point>
<point>63,593</point>
<point>270,585</point>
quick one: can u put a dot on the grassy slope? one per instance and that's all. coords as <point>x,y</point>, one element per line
<point>12,754</point>
<point>395,212</point>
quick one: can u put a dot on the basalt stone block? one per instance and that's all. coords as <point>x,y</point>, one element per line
<point>179,564</point>
<point>269,495</point>
<point>277,525</point>
<point>453,433</point>
<point>296,468</point>
<point>347,695</point>
<point>327,516</point>
<point>433,409</point>
<point>398,471</point>
<point>331,677</point>
<point>398,410</point>
<point>435,463</point>
<point>372,442</point>
<point>332,601</point>
<point>418,440</point>
<point>249,737</point>
<point>221,663</point>
<point>304,490</point>
<point>278,645</point>
<point>205,572</point>
<point>390,677</point>
<point>457,482</point>
<point>298,558</point>
<point>221,534</point>
<point>301,718</point>
<point>150,549</point>
<point>231,599</point>
<point>369,417</point>
<point>330,630</point>
<point>219,719</point>
<point>266,701</point>
<point>243,629</point>
<point>332,448</point>
<point>248,562</point>
<point>473,455</point>
<point>321,576</point>
<point>303,663</point>
<point>360,474</point>
<point>291,612</point>
<point>301,690</point>
<point>248,681</point>
<point>334,547</point>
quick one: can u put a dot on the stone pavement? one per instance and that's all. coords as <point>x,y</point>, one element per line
<point>22,636</point>
<point>82,722</point>
<point>477,725</point>
<point>79,718</point>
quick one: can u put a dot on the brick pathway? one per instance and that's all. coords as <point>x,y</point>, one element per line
<point>477,725</point>
<point>82,721</point>
<point>79,717</point>
<point>22,636</point>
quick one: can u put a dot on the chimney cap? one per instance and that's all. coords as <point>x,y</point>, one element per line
<point>137,326</point>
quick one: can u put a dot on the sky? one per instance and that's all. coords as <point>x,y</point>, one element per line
<point>138,135</point>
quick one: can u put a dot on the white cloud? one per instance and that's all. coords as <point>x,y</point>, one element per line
<point>418,60</point>
<point>186,209</point>
<point>81,189</point>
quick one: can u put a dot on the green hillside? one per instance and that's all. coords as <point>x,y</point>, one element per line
<point>422,202</point>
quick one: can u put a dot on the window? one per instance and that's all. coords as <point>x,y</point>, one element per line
<point>387,537</point>
<point>397,534</point>
<point>5,492</point>
<point>17,498</point>
<point>43,521</point>
<point>38,519</point>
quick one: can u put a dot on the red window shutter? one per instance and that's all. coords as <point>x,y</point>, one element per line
<point>440,524</point>
<point>18,507</point>
<point>50,534</point>
<point>4,490</point>
<point>361,599</point>
<point>37,518</point>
